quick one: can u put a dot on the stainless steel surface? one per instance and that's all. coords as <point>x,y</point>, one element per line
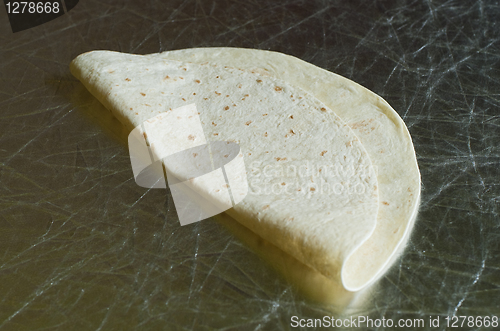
<point>82,247</point>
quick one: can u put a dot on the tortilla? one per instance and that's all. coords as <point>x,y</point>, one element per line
<point>380,129</point>
<point>329,232</point>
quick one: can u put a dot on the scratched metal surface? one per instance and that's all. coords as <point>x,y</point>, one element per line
<point>82,247</point>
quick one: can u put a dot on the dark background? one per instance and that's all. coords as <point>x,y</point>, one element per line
<point>82,247</point>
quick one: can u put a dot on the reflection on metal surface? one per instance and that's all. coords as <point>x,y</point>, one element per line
<point>310,283</point>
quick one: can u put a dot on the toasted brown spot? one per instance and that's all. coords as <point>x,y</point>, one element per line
<point>216,134</point>
<point>217,93</point>
<point>291,117</point>
<point>191,137</point>
<point>143,94</point>
<point>385,203</point>
<point>312,189</point>
<point>234,105</point>
<point>239,85</point>
<point>127,79</point>
<point>205,98</point>
<point>183,99</point>
<point>278,88</point>
<point>214,124</point>
<point>184,69</point>
<point>322,153</point>
<point>280,158</point>
<point>348,144</point>
<point>226,108</point>
<point>265,134</point>
<point>264,115</point>
<point>145,135</point>
<point>137,113</point>
<point>259,81</point>
<point>181,77</point>
<point>292,132</point>
<point>194,93</point>
<point>248,123</point>
<point>265,207</point>
<point>195,154</point>
<point>197,81</point>
<point>226,155</point>
<point>283,183</point>
<point>227,95</point>
<point>111,71</point>
<point>323,109</point>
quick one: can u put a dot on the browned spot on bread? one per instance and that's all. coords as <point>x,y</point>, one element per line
<point>291,117</point>
<point>259,81</point>
<point>323,109</point>
<point>191,137</point>
<point>264,115</point>
<point>348,144</point>
<point>226,108</point>
<point>183,99</point>
<point>278,88</point>
<point>283,183</point>
<point>322,153</point>
<point>197,81</point>
<point>166,77</point>
<point>385,203</point>
<point>265,134</point>
<point>280,158</point>
<point>195,154</point>
<point>248,123</point>
<point>216,134</point>
<point>217,93</point>
<point>127,79</point>
<point>214,124</point>
<point>143,94</point>
<point>265,207</point>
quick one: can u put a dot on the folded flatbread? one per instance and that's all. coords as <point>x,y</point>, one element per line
<point>331,168</point>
